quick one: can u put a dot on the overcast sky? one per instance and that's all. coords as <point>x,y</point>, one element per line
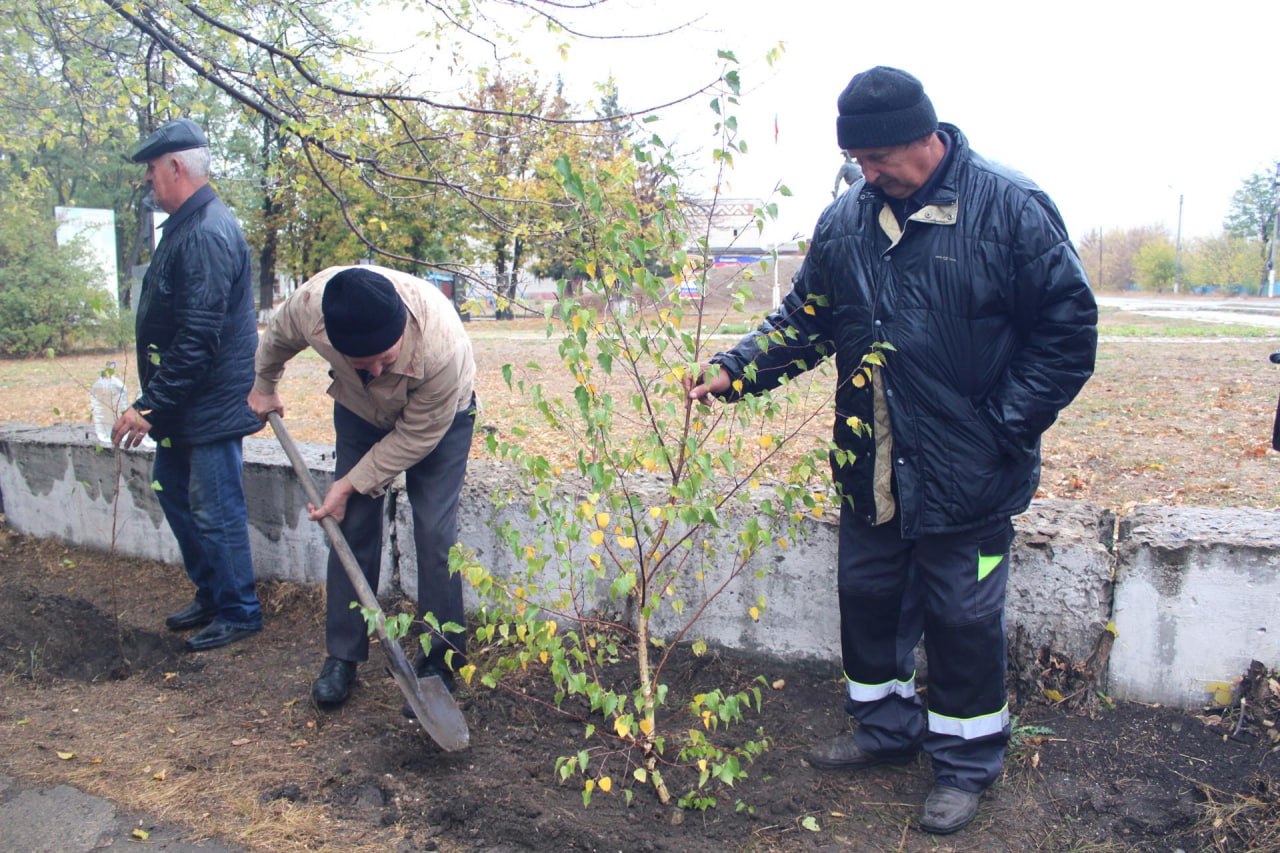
<point>1115,108</point>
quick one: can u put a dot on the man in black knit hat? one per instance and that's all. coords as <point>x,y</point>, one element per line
<point>404,401</point>
<point>956,276</point>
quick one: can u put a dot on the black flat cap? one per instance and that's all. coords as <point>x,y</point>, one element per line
<point>177,135</point>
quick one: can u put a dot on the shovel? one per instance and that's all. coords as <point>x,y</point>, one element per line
<point>428,697</point>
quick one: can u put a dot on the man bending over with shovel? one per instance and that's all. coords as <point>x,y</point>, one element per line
<point>403,391</point>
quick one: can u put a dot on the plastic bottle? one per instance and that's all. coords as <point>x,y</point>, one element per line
<point>108,398</point>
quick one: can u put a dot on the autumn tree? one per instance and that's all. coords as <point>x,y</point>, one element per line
<point>293,65</point>
<point>1252,214</point>
<point>1221,260</point>
<point>1110,258</point>
<point>1155,265</point>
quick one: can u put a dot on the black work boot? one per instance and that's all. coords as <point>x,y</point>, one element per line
<point>334,684</point>
<point>423,669</point>
<point>843,753</point>
<point>948,809</point>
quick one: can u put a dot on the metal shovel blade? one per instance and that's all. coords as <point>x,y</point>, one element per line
<point>432,704</point>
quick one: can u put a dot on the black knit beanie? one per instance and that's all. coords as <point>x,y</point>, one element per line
<point>363,314</point>
<point>882,107</point>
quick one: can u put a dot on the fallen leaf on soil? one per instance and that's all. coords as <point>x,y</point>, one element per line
<point>66,756</point>
<point>240,741</point>
<point>141,834</point>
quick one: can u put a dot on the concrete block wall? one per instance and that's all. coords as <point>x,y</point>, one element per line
<point>1197,598</point>
<point>1193,593</point>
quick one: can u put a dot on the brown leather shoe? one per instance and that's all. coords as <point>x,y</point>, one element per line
<point>843,753</point>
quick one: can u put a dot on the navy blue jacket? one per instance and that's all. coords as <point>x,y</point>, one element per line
<point>197,330</point>
<point>993,328</point>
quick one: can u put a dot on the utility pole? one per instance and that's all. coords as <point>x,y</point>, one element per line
<point>1275,233</point>
<point>1177,250</point>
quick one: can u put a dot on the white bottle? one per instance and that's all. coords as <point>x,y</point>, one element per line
<point>108,398</point>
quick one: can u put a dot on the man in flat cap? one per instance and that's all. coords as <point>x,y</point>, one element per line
<point>956,276</point>
<point>404,401</point>
<point>196,335</point>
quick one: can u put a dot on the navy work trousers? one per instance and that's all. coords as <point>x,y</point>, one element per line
<point>951,589</point>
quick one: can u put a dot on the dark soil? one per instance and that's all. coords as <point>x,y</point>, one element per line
<point>228,744</point>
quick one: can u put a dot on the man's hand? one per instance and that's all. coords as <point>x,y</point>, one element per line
<point>264,404</point>
<point>335,502</point>
<point>129,429</point>
<point>703,387</point>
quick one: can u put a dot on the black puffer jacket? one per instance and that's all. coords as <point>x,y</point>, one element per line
<point>993,328</point>
<point>196,326</point>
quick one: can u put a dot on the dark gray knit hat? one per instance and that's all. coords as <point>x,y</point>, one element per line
<point>177,135</point>
<point>882,107</point>
<point>363,313</point>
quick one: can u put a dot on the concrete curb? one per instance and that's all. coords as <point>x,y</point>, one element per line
<point>1190,591</point>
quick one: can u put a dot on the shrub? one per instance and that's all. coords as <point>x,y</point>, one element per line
<point>47,292</point>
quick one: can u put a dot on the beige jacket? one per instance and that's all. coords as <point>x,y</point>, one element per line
<point>416,399</point>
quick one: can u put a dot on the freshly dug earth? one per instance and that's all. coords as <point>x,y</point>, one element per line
<point>95,693</point>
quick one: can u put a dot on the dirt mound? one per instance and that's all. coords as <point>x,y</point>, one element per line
<point>44,636</point>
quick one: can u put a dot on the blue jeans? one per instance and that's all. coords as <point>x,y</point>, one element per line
<point>202,495</point>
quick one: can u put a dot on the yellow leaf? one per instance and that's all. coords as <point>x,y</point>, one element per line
<point>1052,695</point>
<point>702,764</point>
<point>755,614</point>
<point>597,536</point>
<point>577,322</point>
<point>859,380</point>
<point>765,441</point>
<point>646,726</point>
<point>595,558</point>
<point>141,834</point>
<point>808,309</point>
<point>627,542</point>
<point>467,671</point>
<point>159,777</point>
<point>66,756</point>
<point>678,372</point>
<point>530,552</point>
<point>737,385</point>
<point>591,269</point>
<point>622,727</point>
<point>542,656</point>
<point>587,508</point>
<point>551,627</point>
<point>655,512</point>
<point>782,543</point>
<point>602,519</point>
<point>606,784</point>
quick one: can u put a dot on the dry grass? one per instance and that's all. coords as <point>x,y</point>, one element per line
<point>1176,413</point>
